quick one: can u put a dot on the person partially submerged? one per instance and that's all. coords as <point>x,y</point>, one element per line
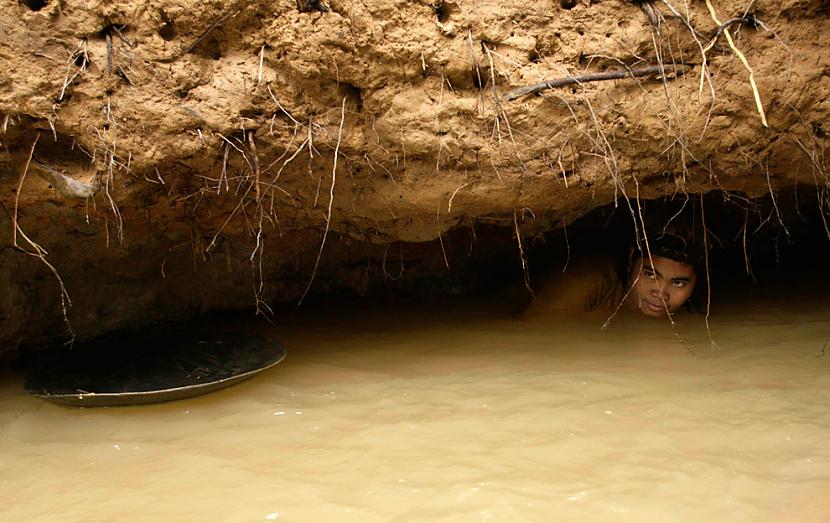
<point>657,280</point>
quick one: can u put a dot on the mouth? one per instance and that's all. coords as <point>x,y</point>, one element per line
<point>654,308</point>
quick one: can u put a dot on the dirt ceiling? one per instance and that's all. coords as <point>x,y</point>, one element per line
<point>163,158</point>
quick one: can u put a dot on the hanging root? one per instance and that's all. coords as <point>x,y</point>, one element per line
<point>725,29</point>
<point>522,256</point>
<point>38,251</point>
<point>386,274</point>
<point>708,274</point>
<point>331,200</point>
<point>499,110</point>
<point>651,261</point>
<point>261,58</point>
<point>262,307</point>
<point>19,189</point>
<point>255,162</point>
<point>108,181</point>
<point>821,178</point>
<point>476,66</point>
<point>81,54</point>
<point>747,264</point>
<point>440,238</point>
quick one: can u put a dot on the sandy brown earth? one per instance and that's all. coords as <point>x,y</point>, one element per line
<point>185,151</point>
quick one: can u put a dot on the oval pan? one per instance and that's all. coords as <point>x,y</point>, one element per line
<point>124,371</point>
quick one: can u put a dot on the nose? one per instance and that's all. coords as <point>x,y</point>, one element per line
<point>660,289</point>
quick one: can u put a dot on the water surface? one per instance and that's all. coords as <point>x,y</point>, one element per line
<point>455,412</point>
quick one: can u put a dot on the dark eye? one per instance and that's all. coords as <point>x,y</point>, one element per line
<point>680,283</point>
<point>649,273</point>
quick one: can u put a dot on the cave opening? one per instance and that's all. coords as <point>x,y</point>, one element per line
<point>756,248</point>
<point>761,250</point>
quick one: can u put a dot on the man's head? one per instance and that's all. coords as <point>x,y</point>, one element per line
<point>664,281</point>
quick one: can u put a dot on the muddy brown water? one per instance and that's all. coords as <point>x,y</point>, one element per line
<point>459,412</point>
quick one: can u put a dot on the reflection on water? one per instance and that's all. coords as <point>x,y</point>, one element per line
<point>455,413</point>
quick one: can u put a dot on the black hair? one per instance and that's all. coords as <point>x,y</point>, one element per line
<point>675,247</point>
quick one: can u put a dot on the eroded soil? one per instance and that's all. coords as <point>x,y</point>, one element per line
<point>190,155</point>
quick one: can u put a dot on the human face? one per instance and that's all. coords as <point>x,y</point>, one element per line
<point>661,287</point>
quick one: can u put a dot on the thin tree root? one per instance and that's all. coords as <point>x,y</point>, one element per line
<point>221,20</point>
<point>331,200</point>
<point>522,256</point>
<point>38,251</point>
<point>441,238</point>
<point>708,274</point>
<point>758,105</point>
<point>82,53</point>
<point>595,77</point>
<point>500,112</point>
<point>255,162</point>
<point>20,188</point>
<point>449,204</point>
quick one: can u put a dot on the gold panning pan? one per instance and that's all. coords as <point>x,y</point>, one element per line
<point>134,370</point>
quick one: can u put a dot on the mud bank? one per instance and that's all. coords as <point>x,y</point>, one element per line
<point>191,156</point>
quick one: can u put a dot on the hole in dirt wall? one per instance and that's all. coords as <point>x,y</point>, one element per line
<point>167,27</point>
<point>35,5</point>
<point>750,245</point>
<point>772,242</point>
